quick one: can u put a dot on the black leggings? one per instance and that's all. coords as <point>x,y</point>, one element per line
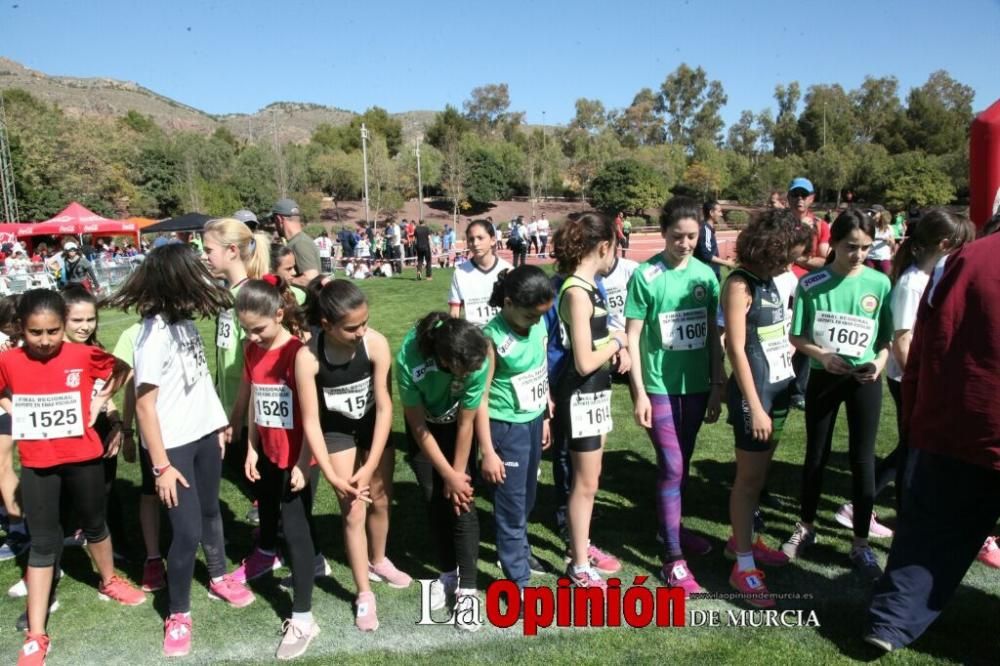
<point>41,490</point>
<point>824,395</point>
<point>424,259</point>
<point>892,468</point>
<point>196,518</point>
<point>294,509</point>
<point>457,537</point>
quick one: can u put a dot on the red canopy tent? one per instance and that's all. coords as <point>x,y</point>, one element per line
<point>76,220</point>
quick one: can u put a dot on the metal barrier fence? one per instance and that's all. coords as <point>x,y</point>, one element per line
<point>38,276</point>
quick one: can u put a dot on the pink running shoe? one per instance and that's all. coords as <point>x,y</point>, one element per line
<point>255,566</point>
<point>586,578</point>
<point>177,635</point>
<point>232,592</point>
<point>750,584</point>
<point>154,575</point>
<point>387,571</point>
<point>762,553</point>
<point>602,562</point>
<point>694,544</point>
<point>121,591</point>
<point>876,530</point>
<point>989,554</point>
<point>677,574</point>
<point>365,618</point>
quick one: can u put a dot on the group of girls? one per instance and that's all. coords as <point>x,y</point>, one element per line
<point>303,392</point>
<point>272,366</point>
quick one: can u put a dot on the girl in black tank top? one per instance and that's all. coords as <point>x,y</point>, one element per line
<point>352,384</point>
<point>585,248</point>
<point>760,354</point>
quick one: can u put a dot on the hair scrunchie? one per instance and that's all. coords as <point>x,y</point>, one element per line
<point>271,279</point>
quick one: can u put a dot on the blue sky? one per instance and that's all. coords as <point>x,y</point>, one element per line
<point>230,56</point>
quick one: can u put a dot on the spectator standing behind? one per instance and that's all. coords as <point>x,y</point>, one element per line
<point>620,230</point>
<point>411,238</point>
<point>775,200</point>
<point>348,241</point>
<point>543,233</point>
<point>626,234</point>
<point>447,243</point>
<point>422,243</point>
<point>951,418</point>
<point>287,218</point>
<point>77,270</point>
<point>880,257</point>
<point>801,195</point>
<point>517,243</point>
<point>325,247</point>
<point>707,249</point>
<point>531,230</point>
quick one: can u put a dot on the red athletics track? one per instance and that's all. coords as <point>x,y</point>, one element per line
<point>642,247</point>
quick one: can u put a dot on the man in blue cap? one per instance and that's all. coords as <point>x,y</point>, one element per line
<point>801,195</point>
<point>287,218</point>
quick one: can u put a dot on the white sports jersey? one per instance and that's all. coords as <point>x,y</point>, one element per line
<point>471,287</point>
<point>616,284</point>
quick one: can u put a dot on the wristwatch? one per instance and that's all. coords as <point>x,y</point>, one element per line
<point>157,471</point>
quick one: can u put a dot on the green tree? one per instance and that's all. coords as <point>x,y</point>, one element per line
<point>639,125</point>
<point>828,118</point>
<point>588,155</point>
<point>785,134</point>
<point>691,103</point>
<point>331,138</point>
<point>454,172</point>
<point>879,112</point>
<point>744,134</point>
<point>487,178</point>
<point>915,177</point>
<point>627,185</point>
<point>378,122</point>
<point>431,162</point>
<point>450,123</point>
<point>590,116</point>
<point>487,109</point>
<point>253,178</point>
<point>939,114</point>
<point>870,168</point>
<point>830,169</point>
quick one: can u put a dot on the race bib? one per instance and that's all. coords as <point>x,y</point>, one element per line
<point>777,351</point>
<point>590,414</point>
<point>616,300</point>
<point>194,365</point>
<point>273,406</point>
<point>479,311</point>
<point>225,331</point>
<point>351,400</point>
<point>847,335</point>
<point>684,329</point>
<point>531,389</point>
<point>47,416</point>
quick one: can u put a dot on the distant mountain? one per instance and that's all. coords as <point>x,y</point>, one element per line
<point>293,121</point>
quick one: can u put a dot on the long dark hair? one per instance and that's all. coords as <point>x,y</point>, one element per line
<point>846,222</point>
<point>74,294</point>
<point>174,283</point>
<point>40,300</point>
<point>935,226</point>
<point>332,301</point>
<point>10,324</point>
<point>526,287</point>
<point>456,344</point>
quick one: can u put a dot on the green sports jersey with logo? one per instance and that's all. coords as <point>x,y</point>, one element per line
<point>849,316</point>
<point>519,392</point>
<point>229,339</point>
<point>423,384</point>
<point>675,305</point>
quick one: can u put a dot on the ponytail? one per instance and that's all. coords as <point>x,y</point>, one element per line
<point>925,237</point>
<point>254,248</point>
<point>266,296</point>
<point>456,344</point>
<point>526,286</point>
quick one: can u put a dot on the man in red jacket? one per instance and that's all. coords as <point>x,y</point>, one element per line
<point>951,413</point>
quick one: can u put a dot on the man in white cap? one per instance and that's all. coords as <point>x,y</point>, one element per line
<point>287,218</point>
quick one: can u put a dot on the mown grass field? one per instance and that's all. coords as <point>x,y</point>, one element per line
<point>87,631</point>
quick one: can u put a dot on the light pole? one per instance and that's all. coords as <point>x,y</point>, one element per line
<point>364,155</point>
<point>420,184</point>
<point>544,170</point>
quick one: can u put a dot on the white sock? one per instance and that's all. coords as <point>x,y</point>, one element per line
<point>580,568</point>
<point>217,579</point>
<point>466,591</point>
<point>744,561</point>
<point>303,619</point>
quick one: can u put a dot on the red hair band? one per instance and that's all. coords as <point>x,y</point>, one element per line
<point>271,279</point>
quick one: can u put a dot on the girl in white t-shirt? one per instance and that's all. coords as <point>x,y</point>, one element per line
<point>182,423</point>
<point>472,283</point>
<point>939,234</point>
<point>884,245</point>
